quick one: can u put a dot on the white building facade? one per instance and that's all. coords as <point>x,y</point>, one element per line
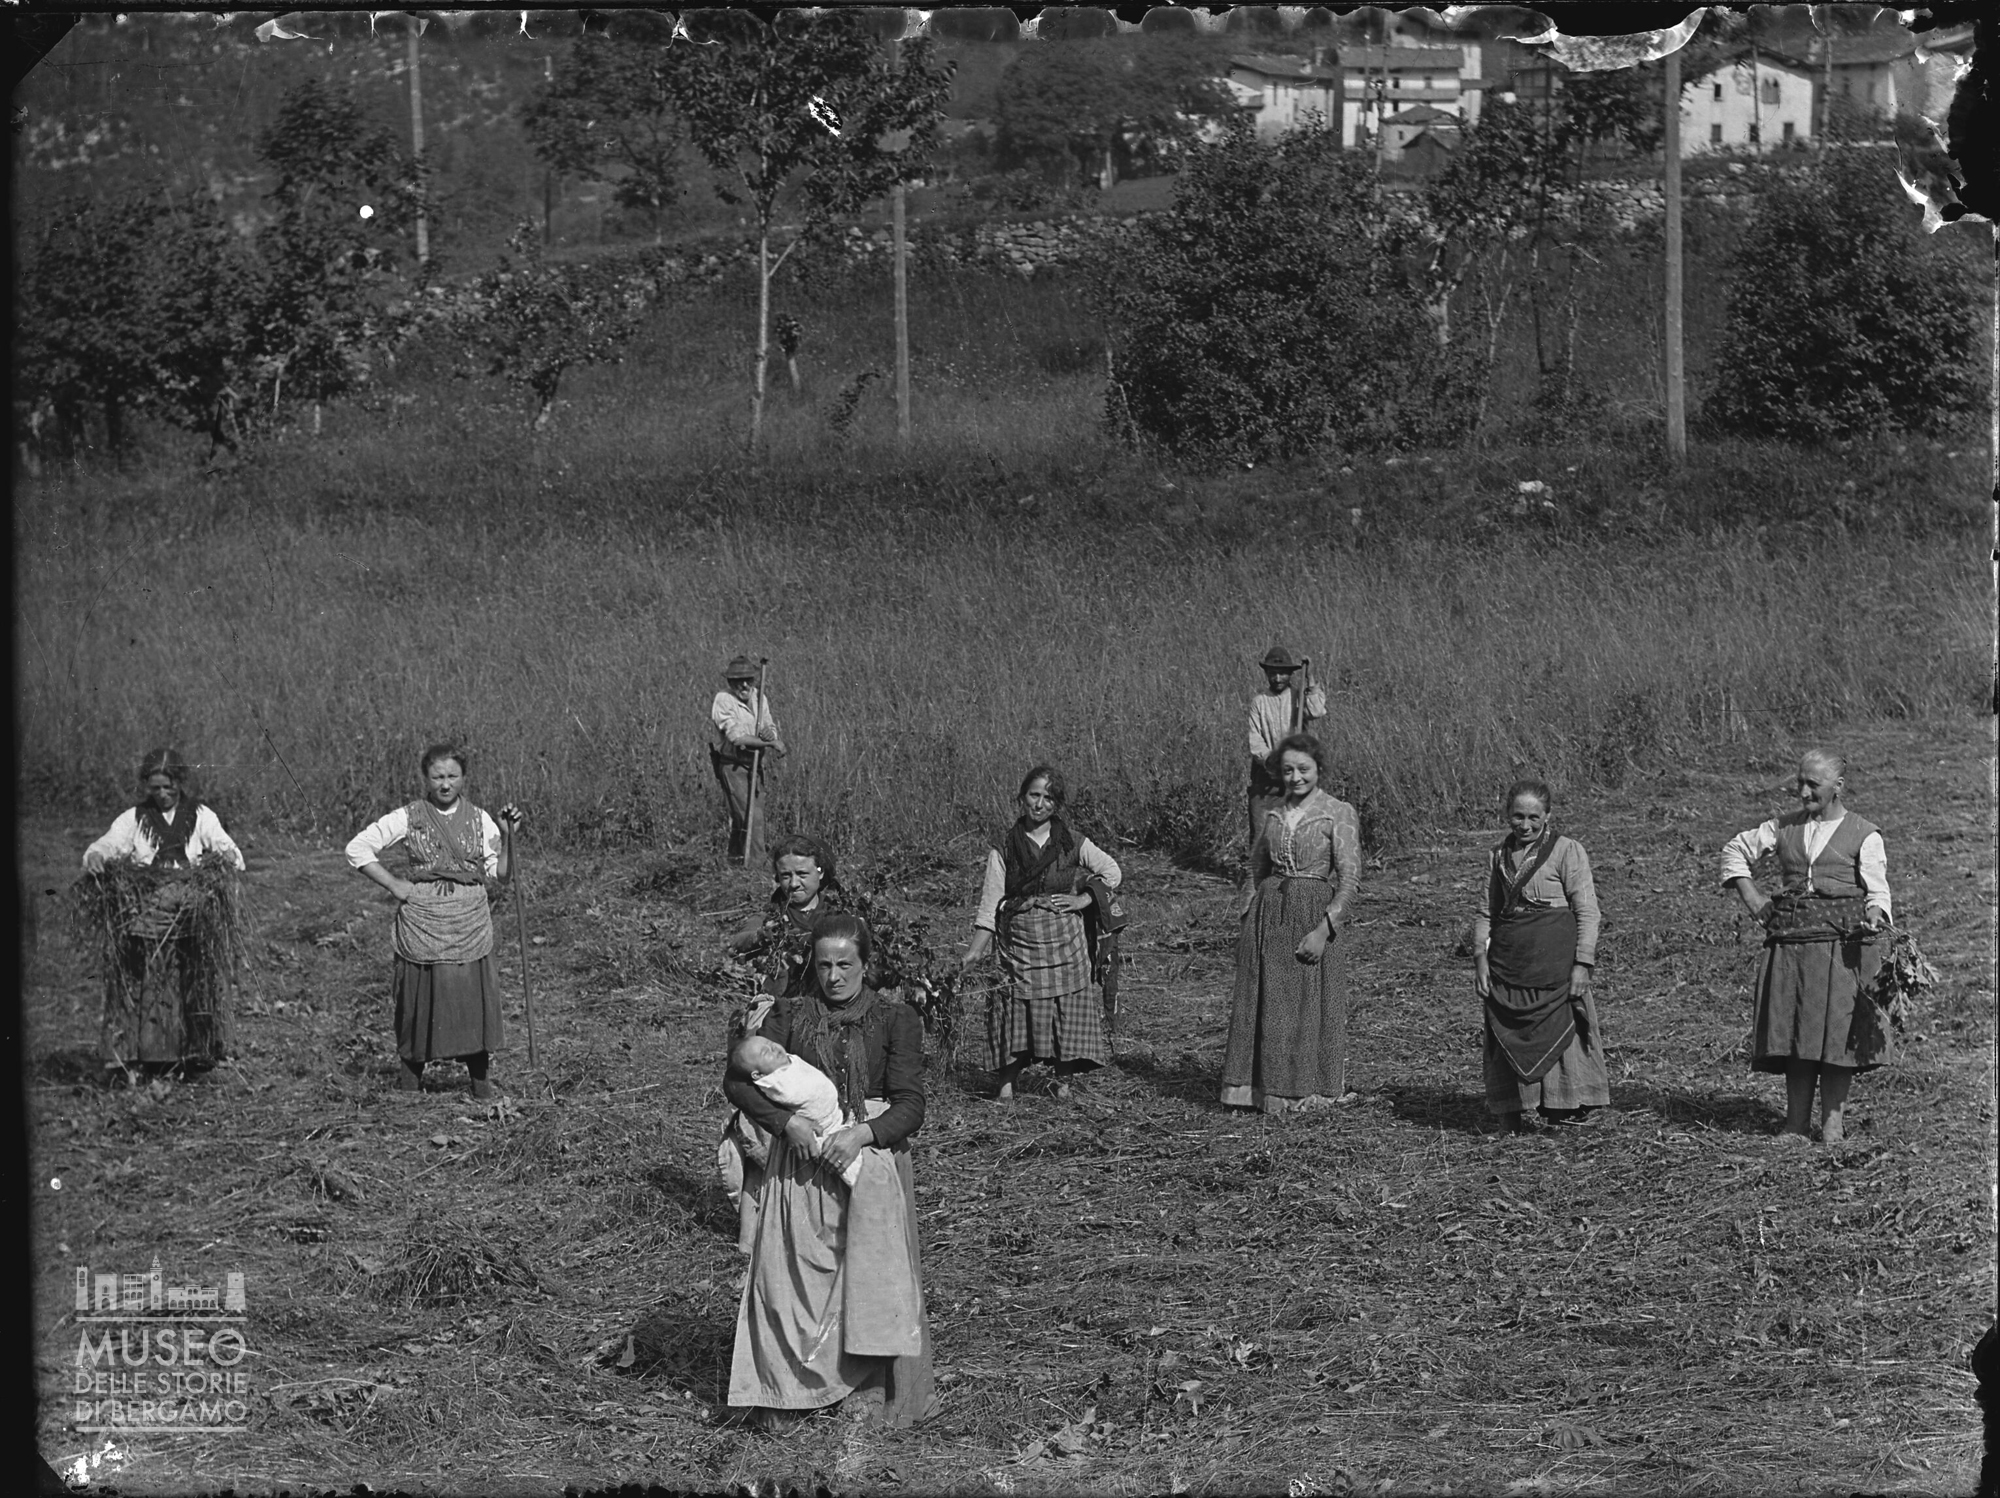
<point>1754,105</point>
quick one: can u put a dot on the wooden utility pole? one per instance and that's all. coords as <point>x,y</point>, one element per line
<point>900,246</point>
<point>417,141</point>
<point>1670,115</point>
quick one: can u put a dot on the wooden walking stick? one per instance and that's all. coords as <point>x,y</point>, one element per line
<point>521,931</point>
<point>756,759</point>
<point>1299,694</point>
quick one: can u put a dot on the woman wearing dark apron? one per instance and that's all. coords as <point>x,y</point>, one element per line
<point>1534,944</point>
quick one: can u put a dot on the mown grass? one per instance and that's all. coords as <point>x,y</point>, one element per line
<point>1129,1290</point>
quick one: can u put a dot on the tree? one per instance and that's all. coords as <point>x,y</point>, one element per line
<point>608,114</point>
<point>1083,104</point>
<point>139,304</point>
<point>536,321</point>
<point>346,199</point>
<point>1507,214</point>
<point>80,334</point>
<point>805,110</point>
<point>1843,319</point>
<point>1258,316</point>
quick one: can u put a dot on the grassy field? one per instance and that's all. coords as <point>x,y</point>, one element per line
<point>1012,587</point>
<point>1131,1291</point>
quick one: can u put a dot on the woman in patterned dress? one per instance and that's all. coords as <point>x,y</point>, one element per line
<point>1032,905</point>
<point>1288,1021</point>
<point>1816,1022</point>
<point>446,984</point>
<point>1534,945</point>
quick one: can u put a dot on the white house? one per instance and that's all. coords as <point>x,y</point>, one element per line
<point>1404,126</point>
<point>1757,105</point>
<point>1378,82</point>
<point>1285,92</point>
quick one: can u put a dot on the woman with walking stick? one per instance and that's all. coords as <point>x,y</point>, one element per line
<point>446,984</point>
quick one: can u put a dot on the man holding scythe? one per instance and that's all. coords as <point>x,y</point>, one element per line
<point>744,730</point>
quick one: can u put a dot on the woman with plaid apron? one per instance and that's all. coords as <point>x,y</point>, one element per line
<point>1032,905</point>
<point>1815,1020</point>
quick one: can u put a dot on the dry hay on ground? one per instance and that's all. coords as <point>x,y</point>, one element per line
<point>1131,1291</point>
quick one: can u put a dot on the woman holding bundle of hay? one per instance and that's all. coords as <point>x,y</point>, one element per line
<point>1039,883</point>
<point>832,1310</point>
<point>162,893</point>
<point>1816,1017</point>
<point>447,987</point>
<point>1288,1019</point>
<point>1534,948</point>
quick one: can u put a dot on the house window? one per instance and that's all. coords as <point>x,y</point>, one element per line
<point>1871,92</point>
<point>1718,93</point>
<point>1754,134</point>
<point>1715,135</point>
<point>1790,130</point>
<point>1770,90</point>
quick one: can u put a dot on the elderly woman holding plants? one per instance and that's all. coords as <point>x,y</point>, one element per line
<point>160,890</point>
<point>832,1310</point>
<point>1534,946</point>
<point>1039,883</point>
<point>1288,1018</point>
<point>1816,1017</point>
<point>446,984</point>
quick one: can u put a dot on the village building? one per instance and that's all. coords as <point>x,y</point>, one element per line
<point>1285,93</point>
<point>1401,129</point>
<point>1380,81</point>
<point>1756,103</point>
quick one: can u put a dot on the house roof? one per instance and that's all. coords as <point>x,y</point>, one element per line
<point>1886,45</point>
<point>1444,139</point>
<point>1402,59</point>
<point>1419,114</point>
<point>1271,66</point>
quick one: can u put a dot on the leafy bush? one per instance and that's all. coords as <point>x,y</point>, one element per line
<point>1842,320</point>
<point>1257,317</point>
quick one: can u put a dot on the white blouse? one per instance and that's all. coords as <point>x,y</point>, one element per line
<point>127,840</point>
<point>1094,860</point>
<point>371,842</point>
<point>1744,849</point>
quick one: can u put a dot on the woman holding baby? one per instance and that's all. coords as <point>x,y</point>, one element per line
<point>833,1302</point>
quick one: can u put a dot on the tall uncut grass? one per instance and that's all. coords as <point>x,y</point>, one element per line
<point>918,669</point>
<point>1010,588</point>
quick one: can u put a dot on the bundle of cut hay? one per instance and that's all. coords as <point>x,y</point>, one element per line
<point>1902,978</point>
<point>191,917</point>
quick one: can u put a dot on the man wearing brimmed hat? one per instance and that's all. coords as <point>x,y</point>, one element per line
<point>1271,713</point>
<point>744,732</point>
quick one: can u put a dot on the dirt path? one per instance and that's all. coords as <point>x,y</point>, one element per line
<point>1131,1291</point>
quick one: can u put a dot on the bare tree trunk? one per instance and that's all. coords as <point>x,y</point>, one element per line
<point>763,331</point>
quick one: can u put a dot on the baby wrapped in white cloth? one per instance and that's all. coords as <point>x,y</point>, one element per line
<point>792,1083</point>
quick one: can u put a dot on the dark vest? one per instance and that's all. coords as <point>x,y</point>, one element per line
<point>1836,873</point>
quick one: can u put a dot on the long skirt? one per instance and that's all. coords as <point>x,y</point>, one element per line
<point>833,1302</point>
<point>1579,1079</point>
<point>1288,1020</point>
<point>447,1008</point>
<point>1048,1012</point>
<point>1813,1005</point>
